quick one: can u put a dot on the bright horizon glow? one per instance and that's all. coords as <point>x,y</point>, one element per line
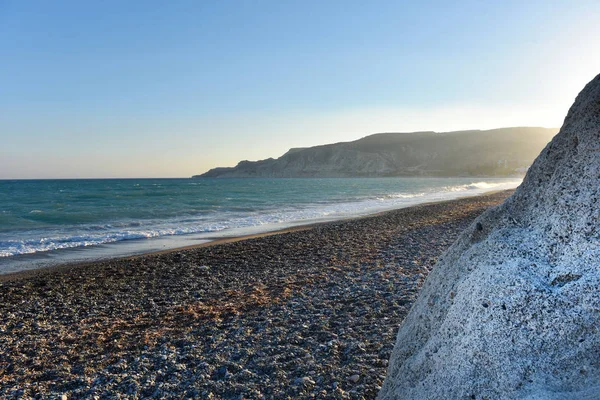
<point>150,89</point>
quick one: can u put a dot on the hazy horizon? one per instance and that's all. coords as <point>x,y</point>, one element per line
<point>147,89</point>
<point>217,166</point>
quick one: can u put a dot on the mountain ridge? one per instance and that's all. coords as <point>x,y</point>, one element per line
<point>494,152</point>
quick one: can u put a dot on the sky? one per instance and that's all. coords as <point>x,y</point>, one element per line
<point>101,89</point>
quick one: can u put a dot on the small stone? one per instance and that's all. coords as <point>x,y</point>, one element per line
<point>354,378</point>
<point>305,380</point>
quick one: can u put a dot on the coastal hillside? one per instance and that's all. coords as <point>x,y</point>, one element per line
<point>496,152</point>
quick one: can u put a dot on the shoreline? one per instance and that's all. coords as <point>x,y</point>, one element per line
<point>36,237</point>
<point>34,272</point>
<point>65,266</point>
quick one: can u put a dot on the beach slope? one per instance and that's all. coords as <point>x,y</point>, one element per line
<point>309,313</point>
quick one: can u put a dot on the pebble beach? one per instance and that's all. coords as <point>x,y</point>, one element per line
<point>309,313</point>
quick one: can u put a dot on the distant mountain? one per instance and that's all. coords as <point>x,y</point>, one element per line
<point>496,152</point>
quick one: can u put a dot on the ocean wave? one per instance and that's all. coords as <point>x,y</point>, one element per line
<point>29,246</point>
<point>484,186</point>
<point>231,218</point>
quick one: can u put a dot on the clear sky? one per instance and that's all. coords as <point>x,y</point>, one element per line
<point>173,88</point>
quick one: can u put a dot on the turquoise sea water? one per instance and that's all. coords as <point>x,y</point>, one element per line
<point>47,216</point>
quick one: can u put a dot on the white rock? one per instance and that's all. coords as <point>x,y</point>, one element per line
<point>512,309</point>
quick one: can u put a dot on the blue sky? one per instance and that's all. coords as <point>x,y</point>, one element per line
<point>149,88</point>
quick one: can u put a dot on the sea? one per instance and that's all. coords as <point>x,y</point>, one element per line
<point>49,222</point>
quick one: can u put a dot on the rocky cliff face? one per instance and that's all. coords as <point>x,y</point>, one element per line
<point>512,309</point>
<point>497,152</point>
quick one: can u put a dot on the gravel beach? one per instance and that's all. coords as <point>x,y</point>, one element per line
<point>305,314</point>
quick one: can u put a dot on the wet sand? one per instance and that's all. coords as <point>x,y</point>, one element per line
<point>307,313</point>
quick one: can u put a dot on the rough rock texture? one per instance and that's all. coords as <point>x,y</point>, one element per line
<point>512,309</point>
<point>496,152</point>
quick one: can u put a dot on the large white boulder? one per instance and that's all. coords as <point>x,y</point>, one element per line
<point>512,309</point>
